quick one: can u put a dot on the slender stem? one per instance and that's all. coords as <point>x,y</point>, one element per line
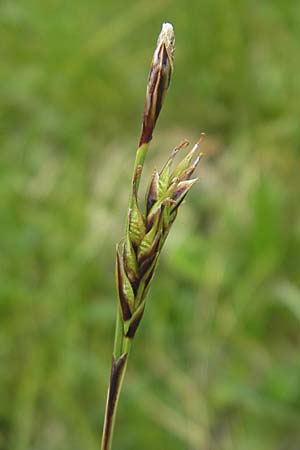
<point>113,396</point>
<point>121,344</point>
<point>136,176</point>
<point>157,86</point>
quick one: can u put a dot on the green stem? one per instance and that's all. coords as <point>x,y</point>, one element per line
<point>121,343</point>
<point>136,177</point>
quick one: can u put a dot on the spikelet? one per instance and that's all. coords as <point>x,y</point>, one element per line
<point>158,81</point>
<point>137,257</point>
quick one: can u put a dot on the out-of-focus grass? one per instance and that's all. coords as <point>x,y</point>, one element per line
<point>216,363</point>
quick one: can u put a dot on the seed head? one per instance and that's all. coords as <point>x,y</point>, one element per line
<point>149,226</point>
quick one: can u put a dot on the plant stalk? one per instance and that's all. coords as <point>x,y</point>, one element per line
<point>113,396</point>
<point>122,344</point>
<point>157,86</point>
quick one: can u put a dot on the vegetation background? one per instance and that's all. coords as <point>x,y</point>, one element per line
<point>215,365</point>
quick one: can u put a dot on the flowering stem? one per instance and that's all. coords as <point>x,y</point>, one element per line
<point>113,396</point>
<point>131,303</point>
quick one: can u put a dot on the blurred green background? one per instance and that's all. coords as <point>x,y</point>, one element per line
<point>215,365</point>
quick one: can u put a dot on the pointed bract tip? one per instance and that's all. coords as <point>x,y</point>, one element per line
<point>201,138</point>
<point>167,36</point>
<point>184,143</point>
<point>198,159</point>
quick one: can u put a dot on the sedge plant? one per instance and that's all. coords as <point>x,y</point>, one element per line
<point>147,225</point>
